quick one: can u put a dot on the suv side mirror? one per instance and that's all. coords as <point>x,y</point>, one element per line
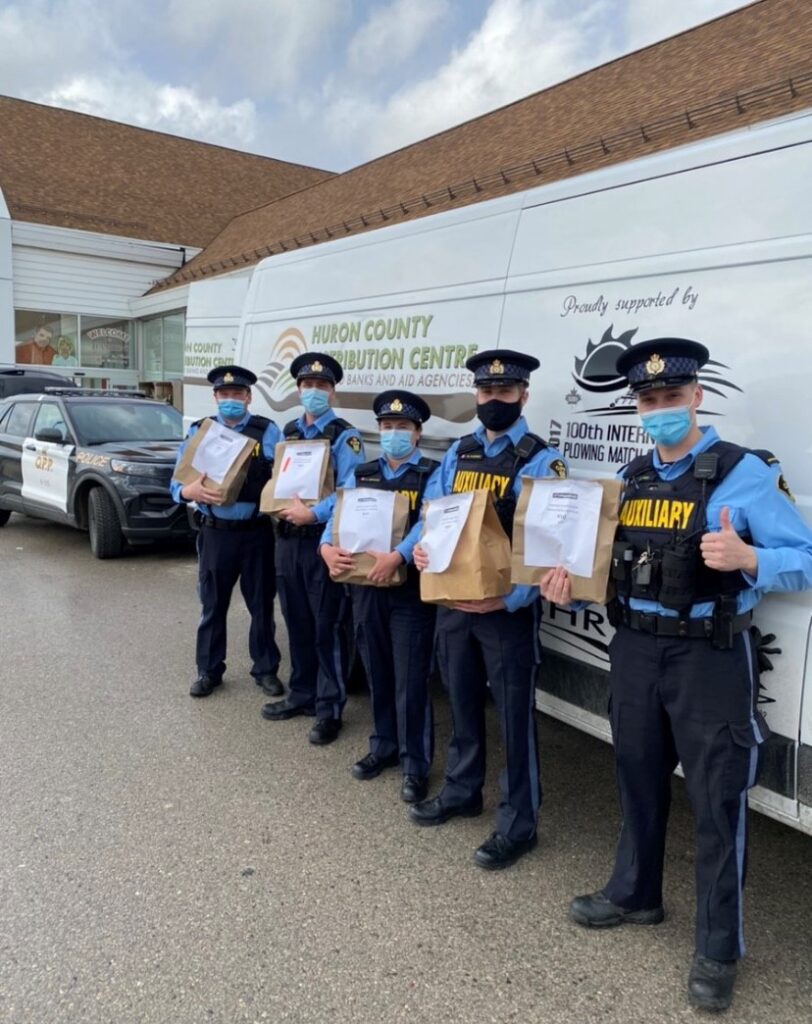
<point>50,434</point>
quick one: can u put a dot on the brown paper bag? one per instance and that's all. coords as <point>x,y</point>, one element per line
<point>232,483</point>
<point>480,565</point>
<point>584,588</point>
<point>268,501</point>
<point>362,562</point>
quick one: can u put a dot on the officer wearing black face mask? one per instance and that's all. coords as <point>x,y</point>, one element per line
<point>494,640</point>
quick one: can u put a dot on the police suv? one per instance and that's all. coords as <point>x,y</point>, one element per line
<point>100,461</point>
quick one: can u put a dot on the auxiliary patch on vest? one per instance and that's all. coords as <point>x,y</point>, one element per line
<point>657,513</point>
<point>474,480</point>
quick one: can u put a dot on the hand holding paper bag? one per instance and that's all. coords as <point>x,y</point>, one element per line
<point>569,525</point>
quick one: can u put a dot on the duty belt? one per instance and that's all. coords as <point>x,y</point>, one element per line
<point>662,625</point>
<point>285,529</point>
<point>213,523</point>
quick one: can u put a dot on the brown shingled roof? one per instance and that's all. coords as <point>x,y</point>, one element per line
<point>153,186</point>
<point>743,67</point>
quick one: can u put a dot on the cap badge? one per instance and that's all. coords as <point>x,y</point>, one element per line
<point>655,365</point>
<point>316,367</point>
<point>228,378</point>
<point>396,406</point>
<point>496,368</point>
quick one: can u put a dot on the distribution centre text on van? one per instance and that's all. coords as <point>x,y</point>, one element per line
<point>421,357</point>
<point>380,329</point>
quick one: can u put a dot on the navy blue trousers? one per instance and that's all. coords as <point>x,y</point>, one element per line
<point>394,631</point>
<point>314,610</point>
<point>501,648</point>
<point>680,701</point>
<point>224,556</point>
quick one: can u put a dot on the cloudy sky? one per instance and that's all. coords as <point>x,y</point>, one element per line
<point>329,83</point>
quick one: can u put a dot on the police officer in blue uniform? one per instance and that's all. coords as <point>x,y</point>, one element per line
<point>494,640</point>
<point>394,629</point>
<point>235,542</point>
<point>313,605</point>
<point>706,528</point>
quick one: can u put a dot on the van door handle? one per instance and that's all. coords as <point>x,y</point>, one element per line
<point>30,447</point>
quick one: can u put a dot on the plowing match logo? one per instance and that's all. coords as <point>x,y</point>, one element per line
<point>596,373</point>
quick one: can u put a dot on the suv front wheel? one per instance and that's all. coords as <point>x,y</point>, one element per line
<point>5,515</point>
<point>104,525</point>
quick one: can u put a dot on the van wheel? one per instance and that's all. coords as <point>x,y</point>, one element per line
<point>103,525</point>
<point>5,515</point>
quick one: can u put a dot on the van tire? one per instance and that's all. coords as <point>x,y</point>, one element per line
<point>103,525</point>
<point>5,515</point>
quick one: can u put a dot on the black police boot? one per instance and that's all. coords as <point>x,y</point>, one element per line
<point>437,812</point>
<point>371,766</point>
<point>270,684</point>
<point>279,710</point>
<point>710,983</point>
<point>204,685</point>
<point>500,852</point>
<point>325,731</point>
<point>597,911</point>
<point>414,788</point>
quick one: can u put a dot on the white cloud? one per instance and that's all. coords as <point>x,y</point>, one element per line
<point>648,21</point>
<point>265,44</point>
<point>520,47</point>
<point>392,33</point>
<point>41,42</point>
<point>134,99</point>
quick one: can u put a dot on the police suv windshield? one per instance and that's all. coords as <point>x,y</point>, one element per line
<point>105,420</point>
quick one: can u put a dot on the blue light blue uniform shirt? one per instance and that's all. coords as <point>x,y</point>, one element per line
<point>344,458</point>
<point>757,506</point>
<point>240,509</point>
<point>406,546</point>
<point>539,466</point>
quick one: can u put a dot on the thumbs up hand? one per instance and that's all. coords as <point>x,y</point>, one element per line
<point>725,551</point>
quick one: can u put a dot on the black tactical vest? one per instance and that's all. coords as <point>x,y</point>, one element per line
<point>496,473</point>
<point>656,555</point>
<point>259,468</point>
<point>412,483</point>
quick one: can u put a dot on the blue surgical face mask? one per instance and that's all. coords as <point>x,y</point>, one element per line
<point>667,426</point>
<point>397,444</point>
<point>231,409</point>
<point>315,400</point>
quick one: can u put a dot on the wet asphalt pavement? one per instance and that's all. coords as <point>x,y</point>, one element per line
<point>173,861</point>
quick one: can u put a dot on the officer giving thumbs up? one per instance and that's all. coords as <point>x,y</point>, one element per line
<point>705,529</point>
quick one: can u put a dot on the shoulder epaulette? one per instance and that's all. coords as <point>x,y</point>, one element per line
<point>529,445</point>
<point>426,465</point>
<point>291,429</point>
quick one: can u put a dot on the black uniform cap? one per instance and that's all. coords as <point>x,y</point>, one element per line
<point>396,404</point>
<point>662,363</point>
<point>501,366</point>
<point>312,364</point>
<point>231,377</point>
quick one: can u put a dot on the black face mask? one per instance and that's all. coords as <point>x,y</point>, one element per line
<point>497,416</point>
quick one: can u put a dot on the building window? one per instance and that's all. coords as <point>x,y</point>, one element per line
<point>63,339</point>
<point>162,340</point>
<point>106,342</point>
<point>46,339</point>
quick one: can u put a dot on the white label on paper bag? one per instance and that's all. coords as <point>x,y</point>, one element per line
<point>219,448</point>
<point>300,471</point>
<point>561,525</point>
<point>445,519</point>
<point>366,520</point>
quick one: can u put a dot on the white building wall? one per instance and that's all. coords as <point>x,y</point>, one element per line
<point>6,290</point>
<point>67,271</point>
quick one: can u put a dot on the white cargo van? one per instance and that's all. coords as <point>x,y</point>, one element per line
<point>711,241</point>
